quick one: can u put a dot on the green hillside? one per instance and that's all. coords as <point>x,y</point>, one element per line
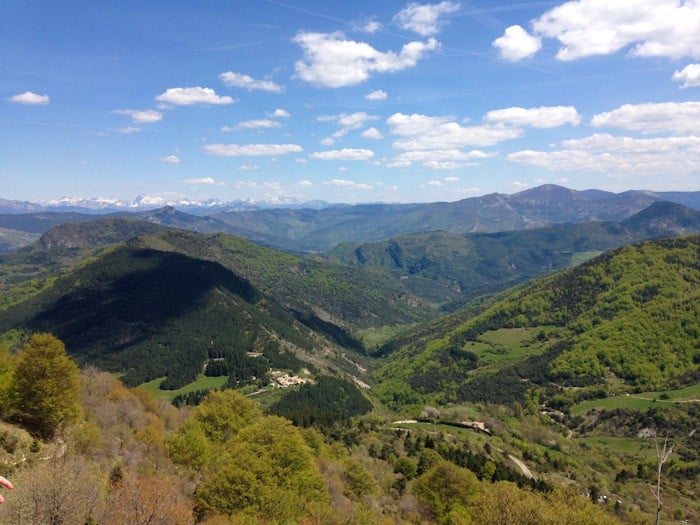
<point>443,266</point>
<point>146,314</point>
<point>627,320</point>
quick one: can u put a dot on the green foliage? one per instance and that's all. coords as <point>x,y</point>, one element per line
<point>45,386</point>
<point>272,476</point>
<point>223,414</point>
<point>447,490</point>
<point>630,315</point>
<point>150,314</point>
<point>322,403</point>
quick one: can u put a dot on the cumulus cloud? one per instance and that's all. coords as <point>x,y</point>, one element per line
<point>280,113</point>
<point>424,19</point>
<point>29,98</point>
<point>240,80</point>
<point>343,154</point>
<point>250,150</point>
<point>438,159</point>
<point>668,28</point>
<point>192,95</point>
<point>423,132</point>
<point>171,159</point>
<point>203,180</point>
<point>542,117</point>
<point>343,183</point>
<point>347,122</point>
<point>376,95</point>
<point>305,183</point>
<point>259,123</point>
<point>370,26</point>
<point>618,155</point>
<point>516,44</point>
<point>330,60</point>
<point>249,167</point>
<point>689,75</point>
<point>670,117</point>
<point>372,133</point>
<point>141,116</point>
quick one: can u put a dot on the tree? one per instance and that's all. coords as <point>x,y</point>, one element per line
<point>447,490</point>
<point>266,470</point>
<point>45,386</point>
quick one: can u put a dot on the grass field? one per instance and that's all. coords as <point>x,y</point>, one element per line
<point>630,446</point>
<point>506,343</point>
<point>581,257</point>
<point>641,401</point>
<point>201,383</point>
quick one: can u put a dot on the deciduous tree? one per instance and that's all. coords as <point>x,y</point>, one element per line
<point>45,387</point>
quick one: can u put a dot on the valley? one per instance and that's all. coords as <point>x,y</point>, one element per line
<point>538,363</point>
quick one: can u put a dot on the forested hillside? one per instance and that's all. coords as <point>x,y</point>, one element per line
<point>447,267</point>
<point>146,314</point>
<point>628,319</point>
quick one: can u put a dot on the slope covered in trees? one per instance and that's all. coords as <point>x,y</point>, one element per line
<point>124,458</point>
<point>443,266</point>
<point>629,317</point>
<point>148,313</point>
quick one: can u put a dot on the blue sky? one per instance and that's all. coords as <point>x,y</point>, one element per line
<point>346,101</point>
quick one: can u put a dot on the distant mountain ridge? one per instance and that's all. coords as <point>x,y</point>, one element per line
<point>444,266</point>
<point>320,228</point>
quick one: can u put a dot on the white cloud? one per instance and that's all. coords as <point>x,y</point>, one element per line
<point>280,113</point>
<point>250,150</point>
<point>192,95</point>
<point>343,183</point>
<point>671,117</point>
<point>203,180</point>
<point>424,19</point>
<point>301,160</point>
<point>542,117</point>
<point>376,95</point>
<point>347,122</point>
<point>444,180</point>
<point>610,154</point>
<point>29,98</point>
<point>422,132</point>
<point>370,26</point>
<point>249,167</point>
<point>668,28</point>
<point>240,80</point>
<point>438,159</point>
<point>306,183</point>
<point>516,44</point>
<point>354,120</point>
<point>128,130</point>
<point>689,75</point>
<point>272,185</point>
<point>520,184</point>
<point>330,60</point>
<point>171,159</point>
<point>139,116</point>
<point>372,133</point>
<point>343,154</point>
<point>258,124</point>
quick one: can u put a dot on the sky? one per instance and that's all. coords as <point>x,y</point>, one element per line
<point>361,101</point>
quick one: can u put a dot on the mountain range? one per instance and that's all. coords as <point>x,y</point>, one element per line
<point>318,227</point>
